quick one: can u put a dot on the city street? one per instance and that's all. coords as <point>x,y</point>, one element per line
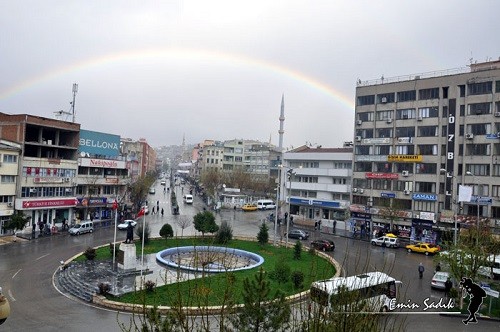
<point>26,270</point>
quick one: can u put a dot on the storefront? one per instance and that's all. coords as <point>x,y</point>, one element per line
<point>424,231</point>
<point>93,208</point>
<point>360,223</point>
<point>318,209</point>
<point>47,211</point>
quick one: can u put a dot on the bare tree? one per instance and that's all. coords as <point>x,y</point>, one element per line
<point>183,222</point>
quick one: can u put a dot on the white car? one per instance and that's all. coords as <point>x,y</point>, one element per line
<point>439,279</point>
<point>123,226</point>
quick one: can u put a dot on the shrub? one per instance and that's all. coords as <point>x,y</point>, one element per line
<point>297,250</point>
<point>149,285</point>
<point>147,232</point>
<point>166,231</point>
<point>225,234</point>
<point>104,288</point>
<point>90,253</point>
<point>297,279</point>
<point>281,272</point>
<point>263,235</point>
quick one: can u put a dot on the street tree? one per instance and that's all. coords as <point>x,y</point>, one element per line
<point>263,235</point>
<point>183,222</point>
<point>204,222</point>
<point>16,222</point>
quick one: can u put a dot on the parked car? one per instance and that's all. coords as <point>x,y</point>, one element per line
<point>439,279</point>
<point>390,241</point>
<point>323,245</point>
<point>123,226</point>
<point>4,307</point>
<point>423,248</point>
<point>249,207</point>
<point>298,234</point>
<point>83,227</point>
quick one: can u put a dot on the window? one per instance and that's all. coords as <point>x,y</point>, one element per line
<point>8,179</point>
<point>445,92</point>
<point>383,149</point>
<point>478,149</point>
<point>496,170</point>
<point>361,183</point>
<point>400,167</point>
<point>445,111</point>
<point>405,149</point>
<point>307,179</point>
<point>427,131</point>
<point>478,169</point>
<point>479,88</point>
<point>479,108</point>
<point>479,128</point>
<point>382,184</point>
<point>495,191</point>
<point>384,132</point>
<point>424,206</point>
<point>425,94</point>
<point>405,132</point>
<point>427,149</point>
<point>426,168</point>
<point>363,166</point>
<point>385,98</point>
<point>407,95</point>
<point>366,100</point>
<point>479,189</point>
<point>365,116</point>
<point>384,115</point>
<point>10,158</point>
<point>425,187</point>
<point>365,133</point>
<point>497,86</point>
<point>383,167</point>
<point>363,150</point>
<point>444,131</point>
<point>428,112</point>
<point>408,113</point>
<point>462,90</point>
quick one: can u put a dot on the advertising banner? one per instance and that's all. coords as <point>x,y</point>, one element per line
<point>96,143</point>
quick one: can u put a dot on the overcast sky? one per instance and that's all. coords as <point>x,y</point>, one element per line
<point>211,69</point>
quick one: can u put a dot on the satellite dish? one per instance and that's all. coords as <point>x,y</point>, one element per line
<point>82,154</point>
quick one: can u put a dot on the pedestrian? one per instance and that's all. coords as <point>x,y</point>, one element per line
<point>334,226</point>
<point>420,270</point>
<point>447,288</point>
<point>153,211</point>
<point>162,212</point>
<point>383,246</point>
<point>438,267</point>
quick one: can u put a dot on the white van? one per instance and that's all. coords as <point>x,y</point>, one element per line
<point>265,204</point>
<point>84,227</point>
<point>188,199</point>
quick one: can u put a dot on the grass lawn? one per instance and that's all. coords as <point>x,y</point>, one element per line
<point>215,289</point>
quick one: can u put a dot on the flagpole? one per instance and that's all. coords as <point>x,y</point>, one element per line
<point>142,250</point>
<point>115,207</point>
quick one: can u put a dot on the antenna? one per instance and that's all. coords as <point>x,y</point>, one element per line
<point>75,90</point>
<point>59,115</point>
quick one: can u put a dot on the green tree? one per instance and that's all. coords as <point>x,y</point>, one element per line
<point>259,313</point>
<point>263,235</point>
<point>297,250</point>
<point>204,222</point>
<point>16,222</point>
<point>138,190</point>
<point>166,231</point>
<point>224,234</point>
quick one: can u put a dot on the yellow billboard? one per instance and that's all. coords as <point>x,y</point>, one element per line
<point>404,158</point>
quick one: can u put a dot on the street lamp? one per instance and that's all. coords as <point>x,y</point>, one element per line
<point>278,186</point>
<point>455,228</point>
<point>289,173</point>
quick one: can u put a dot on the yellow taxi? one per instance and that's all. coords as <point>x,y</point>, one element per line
<point>423,248</point>
<point>249,207</point>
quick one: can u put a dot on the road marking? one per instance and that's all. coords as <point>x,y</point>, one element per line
<point>42,256</point>
<point>15,274</point>
<point>11,297</point>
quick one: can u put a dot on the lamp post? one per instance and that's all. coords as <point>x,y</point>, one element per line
<point>455,228</point>
<point>277,204</point>
<point>290,173</point>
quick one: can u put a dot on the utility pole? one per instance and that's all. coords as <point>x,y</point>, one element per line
<point>75,90</point>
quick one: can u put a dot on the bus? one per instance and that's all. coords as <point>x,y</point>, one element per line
<point>372,291</point>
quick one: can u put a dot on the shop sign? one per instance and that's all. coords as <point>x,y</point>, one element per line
<point>421,223</point>
<point>424,197</point>
<point>84,201</point>
<point>388,195</point>
<point>371,175</point>
<point>48,179</point>
<point>427,216</point>
<point>46,203</point>
<point>481,200</point>
<point>404,158</point>
<point>447,216</point>
<point>370,158</point>
<point>358,215</point>
<point>357,208</point>
<point>384,140</point>
<point>315,202</point>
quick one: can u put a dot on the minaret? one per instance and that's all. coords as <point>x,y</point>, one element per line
<point>282,122</point>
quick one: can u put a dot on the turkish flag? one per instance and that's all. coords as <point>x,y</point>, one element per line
<point>141,212</point>
<point>115,205</point>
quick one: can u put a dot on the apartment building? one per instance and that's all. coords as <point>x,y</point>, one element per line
<point>417,138</point>
<point>45,187</point>
<point>9,168</point>
<point>317,183</point>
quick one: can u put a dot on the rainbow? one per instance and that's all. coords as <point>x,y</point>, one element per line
<point>184,54</point>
